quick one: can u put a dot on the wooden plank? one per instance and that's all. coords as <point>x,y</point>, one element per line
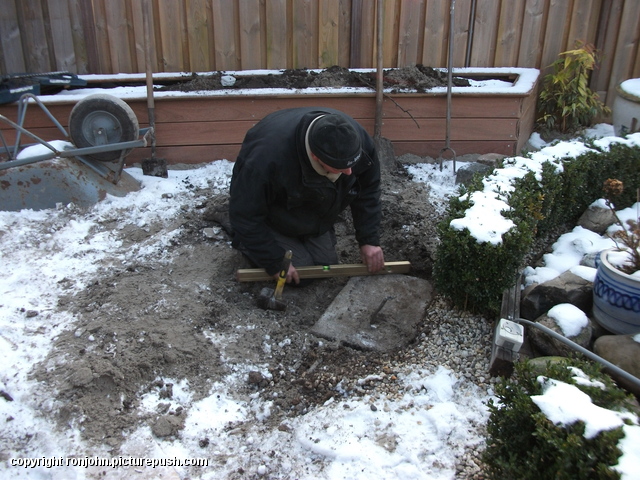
<point>436,28</point>
<point>200,40</point>
<point>212,133</point>
<point>532,34</point>
<point>225,34</point>
<point>171,24</point>
<point>606,41</point>
<point>553,44</point>
<point>328,39</point>
<point>326,271</point>
<point>436,107</point>
<point>344,29</point>
<point>390,31</point>
<point>362,34</point>
<point>304,35</point>
<point>188,154</point>
<point>460,32</point>
<point>12,58</point>
<point>410,21</point>
<point>487,16</point>
<point>461,147</point>
<point>34,37</point>
<point>277,31</point>
<point>79,37</point>
<point>508,37</point>
<point>627,45</point>
<point>103,49</point>
<point>61,35</point>
<point>251,53</point>
<point>121,49</point>
<point>88,34</point>
<point>136,28</point>
<point>584,22</point>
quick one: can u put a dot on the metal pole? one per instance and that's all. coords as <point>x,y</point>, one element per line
<point>614,368</point>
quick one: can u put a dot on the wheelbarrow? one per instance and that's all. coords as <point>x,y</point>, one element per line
<point>81,169</point>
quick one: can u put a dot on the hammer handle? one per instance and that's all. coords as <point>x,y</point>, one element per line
<point>282,277</point>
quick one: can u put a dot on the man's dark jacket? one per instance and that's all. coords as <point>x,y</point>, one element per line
<point>275,187</point>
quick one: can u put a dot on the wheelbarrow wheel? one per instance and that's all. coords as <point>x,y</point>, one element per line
<point>102,119</point>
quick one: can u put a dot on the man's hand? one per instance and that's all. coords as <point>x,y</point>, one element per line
<point>373,257</point>
<point>292,275</point>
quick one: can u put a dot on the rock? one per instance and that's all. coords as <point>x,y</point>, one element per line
<point>550,346</point>
<point>81,376</point>
<point>467,171</point>
<point>490,159</point>
<point>624,352</point>
<point>597,219</point>
<point>566,288</point>
<point>589,260</point>
<point>378,312</point>
<point>217,210</point>
<point>167,425</point>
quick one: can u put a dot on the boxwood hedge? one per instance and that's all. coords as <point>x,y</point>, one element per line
<point>474,274</point>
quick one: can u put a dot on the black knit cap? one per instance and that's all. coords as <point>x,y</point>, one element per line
<point>335,141</point>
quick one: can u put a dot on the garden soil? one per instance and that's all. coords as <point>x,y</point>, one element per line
<point>141,324</point>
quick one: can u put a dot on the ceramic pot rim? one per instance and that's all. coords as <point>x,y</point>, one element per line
<point>605,260</point>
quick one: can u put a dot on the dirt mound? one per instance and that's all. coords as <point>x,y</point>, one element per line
<point>418,78</point>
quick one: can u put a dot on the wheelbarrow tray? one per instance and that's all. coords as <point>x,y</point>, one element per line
<point>47,183</point>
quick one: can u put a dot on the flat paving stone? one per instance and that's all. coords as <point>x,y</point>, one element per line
<point>379,313</point>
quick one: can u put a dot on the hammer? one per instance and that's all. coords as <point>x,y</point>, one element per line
<point>271,299</point>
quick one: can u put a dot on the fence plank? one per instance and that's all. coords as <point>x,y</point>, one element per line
<point>436,28</point>
<point>627,46</point>
<point>344,26</point>
<point>103,50</point>
<point>12,58</point>
<point>78,34</point>
<point>34,39</point>
<point>508,37</point>
<point>120,35</point>
<point>390,31</point>
<point>61,35</point>
<point>305,35</point>
<point>200,41</point>
<point>461,32</point>
<point>487,16</point>
<point>328,32</point>
<point>362,34</point>
<point>225,35</point>
<point>170,24</point>
<point>250,34</point>
<point>532,35</point>
<point>584,22</point>
<point>277,34</point>
<point>557,21</point>
<point>410,20</point>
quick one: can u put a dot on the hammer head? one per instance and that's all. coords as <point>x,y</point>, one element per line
<point>268,301</point>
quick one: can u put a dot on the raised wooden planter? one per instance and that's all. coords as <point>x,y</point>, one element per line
<point>208,126</point>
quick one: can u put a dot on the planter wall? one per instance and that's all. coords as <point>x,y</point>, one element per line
<point>198,128</point>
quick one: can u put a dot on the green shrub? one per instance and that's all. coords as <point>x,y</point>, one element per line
<point>566,102</point>
<point>473,275</point>
<point>522,443</point>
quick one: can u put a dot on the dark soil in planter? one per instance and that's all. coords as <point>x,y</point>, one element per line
<point>418,77</point>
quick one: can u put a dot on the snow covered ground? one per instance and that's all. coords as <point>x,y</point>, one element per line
<point>406,438</point>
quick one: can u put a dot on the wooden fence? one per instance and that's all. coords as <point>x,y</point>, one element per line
<point>106,36</point>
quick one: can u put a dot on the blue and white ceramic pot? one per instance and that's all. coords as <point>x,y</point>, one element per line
<point>616,298</point>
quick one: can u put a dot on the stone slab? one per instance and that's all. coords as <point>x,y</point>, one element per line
<point>379,313</point>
